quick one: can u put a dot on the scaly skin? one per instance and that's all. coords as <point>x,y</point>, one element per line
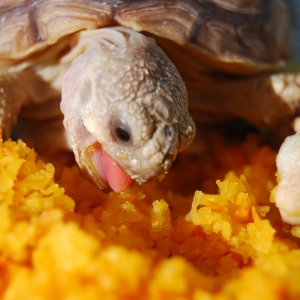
<point>120,80</point>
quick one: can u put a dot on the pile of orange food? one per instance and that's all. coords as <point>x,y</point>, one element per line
<point>67,240</point>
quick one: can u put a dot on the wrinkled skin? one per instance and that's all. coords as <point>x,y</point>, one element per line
<point>124,106</point>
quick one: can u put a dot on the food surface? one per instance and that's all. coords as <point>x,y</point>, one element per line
<point>68,240</point>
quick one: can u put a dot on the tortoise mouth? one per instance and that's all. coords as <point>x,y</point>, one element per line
<point>106,172</point>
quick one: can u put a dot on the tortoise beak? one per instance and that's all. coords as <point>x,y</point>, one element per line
<point>106,172</point>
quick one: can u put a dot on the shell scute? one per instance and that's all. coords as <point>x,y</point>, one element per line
<point>243,32</point>
<point>29,26</point>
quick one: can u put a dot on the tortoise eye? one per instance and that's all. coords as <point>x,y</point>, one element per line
<point>122,134</point>
<point>121,130</point>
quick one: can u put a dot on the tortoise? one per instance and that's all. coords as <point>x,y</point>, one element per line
<point>112,65</point>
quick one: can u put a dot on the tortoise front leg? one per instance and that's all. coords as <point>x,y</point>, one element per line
<point>18,90</point>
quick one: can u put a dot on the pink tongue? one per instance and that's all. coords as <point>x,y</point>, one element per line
<point>116,178</point>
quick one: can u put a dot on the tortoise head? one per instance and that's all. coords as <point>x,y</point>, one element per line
<point>125,108</point>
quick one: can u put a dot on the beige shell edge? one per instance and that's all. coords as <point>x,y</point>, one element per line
<point>222,35</point>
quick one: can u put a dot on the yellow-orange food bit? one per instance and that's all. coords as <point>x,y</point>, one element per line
<point>70,241</point>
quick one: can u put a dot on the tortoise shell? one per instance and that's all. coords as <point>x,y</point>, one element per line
<point>235,36</point>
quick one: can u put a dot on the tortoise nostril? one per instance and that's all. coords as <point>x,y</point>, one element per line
<point>164,109</point>
<point>169,132</point>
